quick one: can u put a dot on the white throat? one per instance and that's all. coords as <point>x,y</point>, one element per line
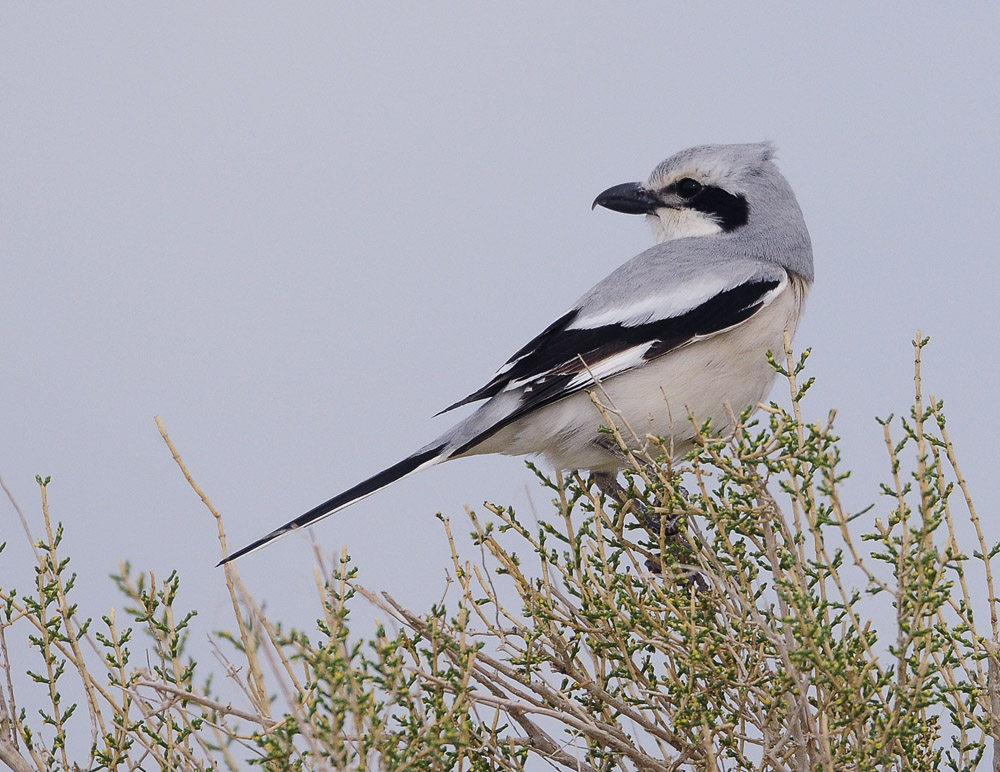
<point>669,224</point>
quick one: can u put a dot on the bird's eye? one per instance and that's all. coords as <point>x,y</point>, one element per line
<point>688,188</point>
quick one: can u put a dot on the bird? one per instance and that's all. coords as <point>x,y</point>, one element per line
<point>674,337</point>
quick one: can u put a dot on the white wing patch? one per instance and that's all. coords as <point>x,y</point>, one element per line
<point>679,300</point>
<point>604,368</point>
<point>613,365</point>
<point>510,364</point>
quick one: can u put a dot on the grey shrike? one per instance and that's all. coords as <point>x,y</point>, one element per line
<point>678,332</point>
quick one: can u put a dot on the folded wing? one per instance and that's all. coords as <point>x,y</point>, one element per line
<point>584,346</point>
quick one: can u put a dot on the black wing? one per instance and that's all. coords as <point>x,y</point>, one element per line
<point>560,360</point>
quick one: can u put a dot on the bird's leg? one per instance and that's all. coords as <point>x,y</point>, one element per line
<point>610,487</point>
<point>665,526</point>
<point>608,483</point>
<point>651,522</point>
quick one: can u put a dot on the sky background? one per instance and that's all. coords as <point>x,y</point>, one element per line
<point>296,232</point>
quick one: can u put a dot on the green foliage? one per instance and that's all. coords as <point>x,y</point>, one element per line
<point>748,622</point>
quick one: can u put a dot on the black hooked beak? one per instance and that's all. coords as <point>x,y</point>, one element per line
<point>630,198</point>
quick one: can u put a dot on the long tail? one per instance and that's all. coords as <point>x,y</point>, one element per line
<point>419,460</point>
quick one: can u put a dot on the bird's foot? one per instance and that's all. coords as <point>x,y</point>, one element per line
<point>689,578</point>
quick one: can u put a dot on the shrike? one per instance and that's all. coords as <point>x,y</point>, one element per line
<point>676,336</point>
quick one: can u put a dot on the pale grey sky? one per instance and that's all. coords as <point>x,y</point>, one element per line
<point>297,231</point>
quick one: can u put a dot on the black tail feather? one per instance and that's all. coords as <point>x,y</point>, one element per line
<point>359,491</point>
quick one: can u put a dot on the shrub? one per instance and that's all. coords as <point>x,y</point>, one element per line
<point>746,623</point>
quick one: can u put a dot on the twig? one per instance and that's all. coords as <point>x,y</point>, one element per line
<point>24,520</point>
<point>226,710</point>
<point>9,754</point>
<point>256,681</point>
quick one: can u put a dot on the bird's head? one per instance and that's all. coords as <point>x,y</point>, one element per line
<point>708,190</point>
